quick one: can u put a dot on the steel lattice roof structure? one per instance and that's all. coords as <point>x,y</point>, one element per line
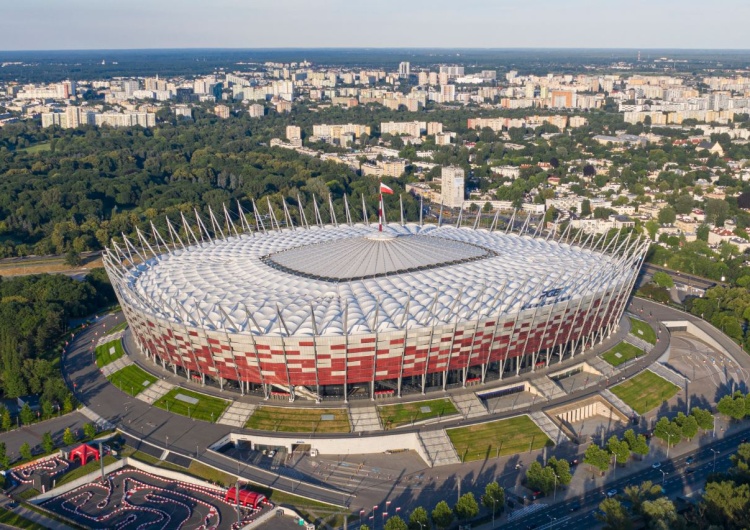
<point>340,303</point>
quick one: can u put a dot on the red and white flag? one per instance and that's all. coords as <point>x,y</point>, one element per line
<point>385,189</point>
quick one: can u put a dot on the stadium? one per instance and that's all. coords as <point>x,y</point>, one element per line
<point>345,310</point>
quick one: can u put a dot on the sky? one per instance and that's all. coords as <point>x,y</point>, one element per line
<point>117,24</point>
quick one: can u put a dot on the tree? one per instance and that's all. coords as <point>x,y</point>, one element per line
<point>25,451</point>
<point>4,461</point>
<point>667,216</point>
<point>68,437</point>
<point>442,515</point>
<point>89,430</point>
<point>662,279</point>
<point>732,406</point>
<point>585,208</point>
<point>364,527</point>
<point>689,427</point>
<point>596,457</point>
<point>396,523</point>
<point>702,231</point>
<point>6,420</point>
<point>660,513</point>
<point>638,494</point>
<point>27,415</point>
<point>67,405</point>
<point>727,504</point>
<point>614,516</point>
<point>651,228</point>
<point>540,478</point>
<point>589,170</point>
<point>419,520</point>
<point>717,211</point>
<point>48,444</point>
<point>72,258</point>
<point>561,468</point>
<point>704,418</point>
<point>466,508</point>
<point>667,431</point>
<point>494,497</point>
<point>637,444</point>
<point>619,448</point>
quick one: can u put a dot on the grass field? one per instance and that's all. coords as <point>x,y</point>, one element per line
<point>17,521</point>
<point>503,437</point>
<point>638,328</point>
<point>36,148</point>
<point>118,327</point>
<point>394,416</point>
<point>103,355</point>
<point>626,351</point>
<point>208,408</point>
<point>282,419</point>
<point>130,379</point>
<point>645,391</point>
<point>90,467</point>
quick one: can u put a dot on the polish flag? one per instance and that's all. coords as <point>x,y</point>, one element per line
<point>385,189</point>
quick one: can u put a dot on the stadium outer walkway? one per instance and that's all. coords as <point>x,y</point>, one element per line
<point>189,438</point>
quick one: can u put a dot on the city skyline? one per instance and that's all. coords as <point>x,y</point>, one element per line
<point>76,25</point>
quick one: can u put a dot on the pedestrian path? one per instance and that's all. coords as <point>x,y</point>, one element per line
<point>618,403</point>
<point>549,427</point>
<point>237,414</point>
<point>364,419</point>
<point>469,405</point>
<point>439,448</point>
<point>97,420</point>
<point>639,343</point>
<point>117,365</point>
<point>155,391</point>
<point>601,366</point>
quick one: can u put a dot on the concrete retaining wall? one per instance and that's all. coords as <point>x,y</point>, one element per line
<point>698,333</point>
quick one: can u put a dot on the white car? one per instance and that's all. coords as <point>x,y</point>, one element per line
<point>656,465</point>
<point>611,493</point>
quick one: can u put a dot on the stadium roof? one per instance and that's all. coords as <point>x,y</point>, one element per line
<point>418,276</point>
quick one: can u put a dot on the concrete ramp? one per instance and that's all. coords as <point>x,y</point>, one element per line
<point>364,419</point>
<point>549,427</point>
<point>116,366</point>
<point>618,403</point>
<point>155,391</point>
<point>548,388</point>
<point>469,405</point>
<point>670,375</point>
<point>601,366</point>
<point>237,414</point>
<point>439,448</point>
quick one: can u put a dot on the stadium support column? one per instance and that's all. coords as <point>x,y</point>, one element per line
<point>375,352</point>
<point>315,347</point>
<point>453,338</point>
<point>250,318</point>
<point>526,341</point>
<point>581,338</point>
<point>573,323</point>
<point>557,332</point>
<point>231,352</point>
<point>432,337</point>
<point>486,364</point>
<point>346,353</point>
<point>403,350</point>
<point>544,334</point>
<point>282,330</point>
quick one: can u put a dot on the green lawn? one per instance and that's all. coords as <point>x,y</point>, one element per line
<point>394,416</point>
<point>626,352</point>
<point>104,356</point>
<point>131,379</point>
<point>503,437</point>
<point>207,408</point>
<point>645,391</point>
<point>17,521</point>
<point>282,419</point>
<point>638,328</point>
<point>37,148</point>
<point>119,327</point>
<point>92,465</point>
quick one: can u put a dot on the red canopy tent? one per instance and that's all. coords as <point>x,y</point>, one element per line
<point>83,452</point>
<point>247,498</point>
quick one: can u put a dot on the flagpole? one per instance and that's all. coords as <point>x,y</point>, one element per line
<point>380,207</point>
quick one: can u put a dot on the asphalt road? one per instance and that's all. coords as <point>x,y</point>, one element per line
<point>675,482</point>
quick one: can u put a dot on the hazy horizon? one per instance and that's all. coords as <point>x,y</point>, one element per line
<point>49,25</point>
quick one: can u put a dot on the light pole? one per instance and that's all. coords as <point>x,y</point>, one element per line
<point>663,476</point>
<point>554,495</point>
<point>715,452</point>
<point>669,443</point>
<point>167,437</point>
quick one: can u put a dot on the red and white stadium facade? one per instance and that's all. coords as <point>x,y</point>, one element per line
<point>340,310</point>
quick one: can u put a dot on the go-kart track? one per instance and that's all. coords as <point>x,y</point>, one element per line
<point>131,499</point>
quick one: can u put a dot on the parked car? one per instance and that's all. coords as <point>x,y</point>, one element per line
<point>271,453</point>
<point>689,460</point>
<point>656,465</point>
<point>611,493</point>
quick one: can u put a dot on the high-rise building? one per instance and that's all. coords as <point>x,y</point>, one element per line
<point>294,135</point>
<point>256,110</point>
<point>452,191</point>
<point>403,69</point>
<point>448,92</point>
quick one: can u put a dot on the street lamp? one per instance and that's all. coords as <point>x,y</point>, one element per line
<point>663,476</point>
<point>669,443</point>
<point>715,452</point>
<point>554,495</point>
